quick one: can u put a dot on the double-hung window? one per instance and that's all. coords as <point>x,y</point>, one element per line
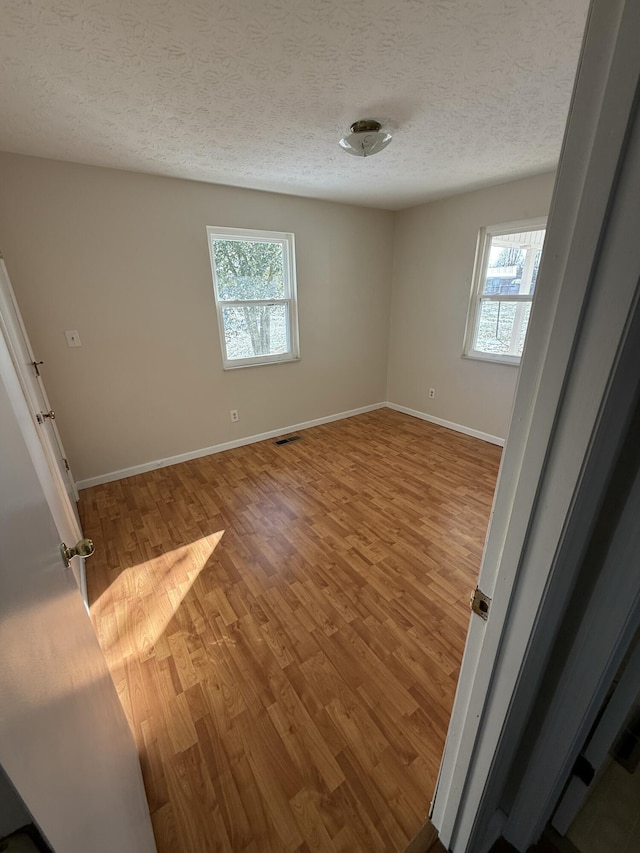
<point>254,283</point>
<point>506,271</point>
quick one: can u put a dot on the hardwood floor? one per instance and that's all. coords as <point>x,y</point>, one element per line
<point>285,626</point>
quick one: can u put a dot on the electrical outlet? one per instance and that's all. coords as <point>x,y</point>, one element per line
<point>235,417</point>
<point>432,393</point>
<point>73,338</point>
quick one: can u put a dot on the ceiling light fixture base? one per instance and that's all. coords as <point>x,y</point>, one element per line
<point>366,138</point>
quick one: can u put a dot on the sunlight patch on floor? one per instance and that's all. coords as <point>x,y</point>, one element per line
<point>132,614</point>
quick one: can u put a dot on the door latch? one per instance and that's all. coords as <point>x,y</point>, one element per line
<point>83,548</point>
<point>44,415</point>
<point>480,604</point>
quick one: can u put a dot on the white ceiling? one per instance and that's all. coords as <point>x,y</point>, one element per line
<point>256,93</point>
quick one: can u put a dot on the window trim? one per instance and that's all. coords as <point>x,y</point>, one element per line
<point>248,235</point>
<point>481,264</point>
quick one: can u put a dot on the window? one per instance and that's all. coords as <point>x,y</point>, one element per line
<point>254,283</point>
<point>505,277</point>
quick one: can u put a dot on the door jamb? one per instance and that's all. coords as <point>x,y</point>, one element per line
<point>518,561</point>
<point>49,474</point>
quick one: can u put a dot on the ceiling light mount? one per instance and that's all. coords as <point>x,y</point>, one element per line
<point>366,138</point>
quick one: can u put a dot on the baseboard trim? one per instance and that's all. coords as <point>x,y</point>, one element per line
<point>475,433</point>
<point>264,436</point>
<point>219,448</point>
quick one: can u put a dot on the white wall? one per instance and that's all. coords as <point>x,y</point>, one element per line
<point>122,257</point>
<point>435,248</point>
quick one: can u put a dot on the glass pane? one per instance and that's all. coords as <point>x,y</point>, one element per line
<point>502,327</point>
<point>254,330</point>
<point>245,269</point>
<point>513,262</point>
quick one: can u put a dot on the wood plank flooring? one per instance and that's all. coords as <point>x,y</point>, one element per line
<point>285,625</point>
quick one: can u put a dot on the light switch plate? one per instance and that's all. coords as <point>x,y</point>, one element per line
<point>73,338</point>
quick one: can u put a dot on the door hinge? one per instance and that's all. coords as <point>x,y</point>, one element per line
<point>584,770</point>
<point>480,603</point>
<point>65,463</point>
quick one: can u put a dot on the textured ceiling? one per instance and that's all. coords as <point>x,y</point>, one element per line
<point>256,93</point>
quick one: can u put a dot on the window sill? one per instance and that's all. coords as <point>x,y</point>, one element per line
<point>495,360</point>
<point>261,363</point>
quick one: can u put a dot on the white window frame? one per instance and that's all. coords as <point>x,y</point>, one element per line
<point>287,241</point>
<point>481,266</point>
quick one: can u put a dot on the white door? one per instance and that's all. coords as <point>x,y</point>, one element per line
<point>61,489</point>
<point>64,740</point>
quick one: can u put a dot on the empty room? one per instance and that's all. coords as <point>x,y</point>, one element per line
<point>280,286</point>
